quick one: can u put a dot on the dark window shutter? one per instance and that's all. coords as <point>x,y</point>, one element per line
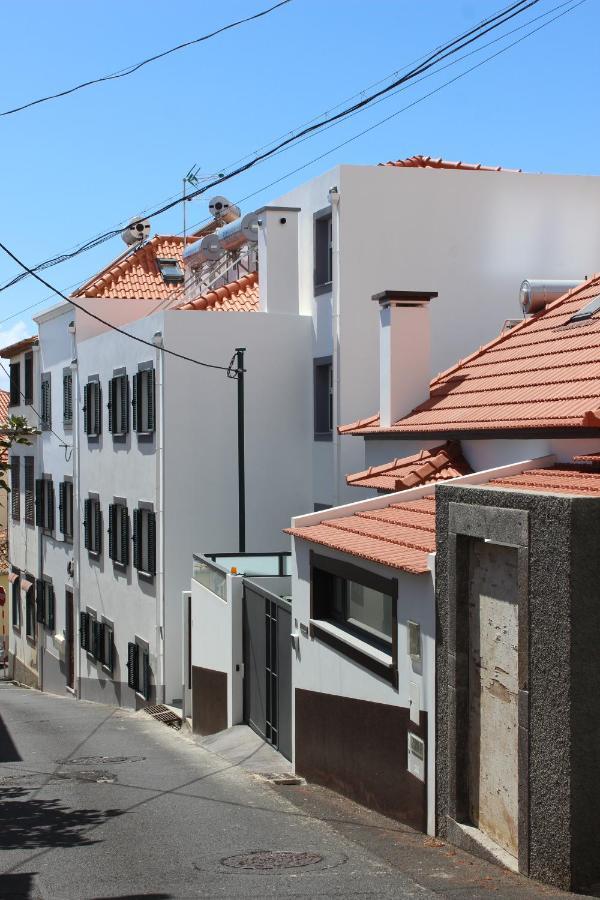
<point>15,487</point>
<point>151,406</point>
<point>151,543</point>
<point>100,632</point>
<point>29,378</point>
<point>98,408</point>
<point>87,512</point>
<point>15,384</point>
<point>95,638</point>
<point>124,389</point>
<point>124,524</point>
<point>15,603</point>
<point>68,397</point>
<point>39,600</point>
<point>50,607</point>
<point>61,507</point>
<point>84,634</point>
<point>39,502</point>
<point>97,527</point>
<point>112,516</point>
<point>136,401</point>
<point>146,674</point>
<point>132,665</point>
<point>86,408</point>
<point>50,515</point>
<point>137,535</point>
<point>111,404</point>
<point>109,647</point>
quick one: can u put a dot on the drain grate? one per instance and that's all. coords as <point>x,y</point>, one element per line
<point>266,860</point>
<point>164,714</point>
<point>100,776</point>
<point>99,760</point>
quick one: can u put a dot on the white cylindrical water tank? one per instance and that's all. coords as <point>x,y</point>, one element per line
<point>536,293</point>
<point>243,231</point>
<point>223,210</point>
<point>208,249</point>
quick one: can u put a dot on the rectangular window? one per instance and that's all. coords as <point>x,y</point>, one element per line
<point>361,606</point>
<point>46,402</point>
<point>105,644</point>
<point>15,384</point>
<point>45,603</point>
<point>44,503</point>
<point>170,270</point>
<point>97,638</point>
<point>144,541</point>
<point>323,397</point>
<point>118,533</point>
<point>29,490</point>
<point>27,583</point>
<point>67,398</point>
<point>65,509</point>
<point>118,405</point>
<point>323,250</point>
<point>15,488</point>
<point>138,668</point>
<point>143,401</point>
<point>92,525</point>
<point>15,597</point>
<point>28,378</point>
<point>92,408</point>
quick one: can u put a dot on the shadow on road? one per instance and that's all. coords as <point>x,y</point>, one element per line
<point>17,887</point>
<point>30,824</point>
<point>8,751</point>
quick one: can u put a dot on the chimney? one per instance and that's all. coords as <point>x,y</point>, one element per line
<point>278,281</point>
<point>404,353</point>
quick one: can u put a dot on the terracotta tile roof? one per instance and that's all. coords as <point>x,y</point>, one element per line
<point>429,162</point>
<point>4,401</point>
<point>543,373</point>
<point>426,467</point>
<point>401,535</point>
<point>559,479</point>
<point>592,458</point>
<point>19,347</point>
<point>237,296</point>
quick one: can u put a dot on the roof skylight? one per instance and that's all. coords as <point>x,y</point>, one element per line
<point>587,311</point>
<point>170,270</point>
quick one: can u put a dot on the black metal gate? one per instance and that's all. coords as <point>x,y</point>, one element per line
<point>268,666</point>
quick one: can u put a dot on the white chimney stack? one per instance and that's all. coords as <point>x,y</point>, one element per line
<point>404,352</point>
<point>278,279</point>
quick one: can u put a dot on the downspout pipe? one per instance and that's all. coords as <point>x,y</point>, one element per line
<point>334,199</point>
<point>160,515</point>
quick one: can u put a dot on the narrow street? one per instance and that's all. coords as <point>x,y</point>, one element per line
<point>101,802</point>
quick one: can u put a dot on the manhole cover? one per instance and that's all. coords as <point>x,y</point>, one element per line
<point>100,776</point>
<point>265,860</point>
<point>99,760</point>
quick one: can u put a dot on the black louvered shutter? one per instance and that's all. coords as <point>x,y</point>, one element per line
<point>84,633</point>
<point>146,674</point>
<point>151,406</point>
<point>111,404</point>
<point>124,392</point>
<point>101,631</point>
<point>95,630</point>
<point>68,397</point>
<point>112,532</point>
<point>61,507</point>
<point>86,408</point>
<point>50,514</point>
<point>137,538</point>
<point>97,527</point>
<point>132,665</point>
<point>87,512</point>
<point>98,408</point>
<point>50,607</point>
<point>39,502</point>
<point>110,650</point>
<point>39,600</point>
<point>15,384</point>
<point>136,403</point>
<point>151,543</point>
<point>124,524</point>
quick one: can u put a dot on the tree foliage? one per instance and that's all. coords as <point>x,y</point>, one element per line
<point>16,430</point>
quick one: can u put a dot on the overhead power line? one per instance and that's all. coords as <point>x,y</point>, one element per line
<point>122,73</point>
<point>433,59</point>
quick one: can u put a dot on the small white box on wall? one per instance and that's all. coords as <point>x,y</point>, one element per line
<point>416,756</point>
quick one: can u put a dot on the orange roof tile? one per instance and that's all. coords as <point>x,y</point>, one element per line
<point>542,374</point>
<point>429,162</point>
<point>4,401</point>
<point>237,296</point>
<point>592,458</point>
<point>18,347</point>
<point>401,535</point>
<point>426,467</point>
<point>559,479</point>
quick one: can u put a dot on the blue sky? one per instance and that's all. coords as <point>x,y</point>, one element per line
<point>78,166</point>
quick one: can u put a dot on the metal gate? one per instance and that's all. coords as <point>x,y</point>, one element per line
<point>268,666</point>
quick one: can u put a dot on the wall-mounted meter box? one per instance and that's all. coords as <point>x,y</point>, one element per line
<point>416,756</point>
<point>414,641</point>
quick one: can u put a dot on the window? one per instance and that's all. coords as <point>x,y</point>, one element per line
<point>28,378</point>
<point>118,405</point>
<point>587,312</point>
<point>29,490</point>
<point>15,384</point>
<point>65,509</point>
<point>46,402</point>
<point>138,668</point>
<point>92,525</point>
<point>143,401</point>
<point>15,597</point>
<point>170,270</point>
<point>361,607</point>
<point>27,585</point>
<point>97,639</point>
<point>323,398</point>
<point>15,488</point>
<point>67,398</point>
<point>144,541</point>
<point>323,249</point>
<point>44,503</point>
<point>118,533</point>
<point>45,603</point>
<point>92,408</point>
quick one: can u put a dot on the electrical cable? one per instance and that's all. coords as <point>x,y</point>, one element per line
<point>432,60</point>
<point>122,73</point>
